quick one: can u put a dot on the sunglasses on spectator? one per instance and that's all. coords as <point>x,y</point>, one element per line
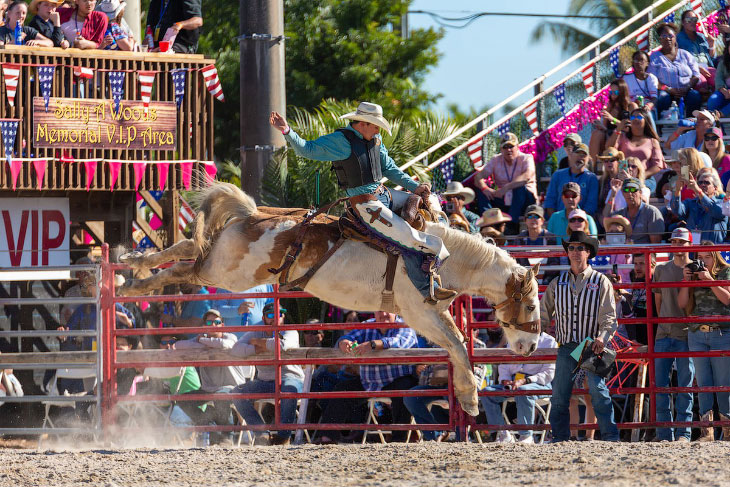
<point>533,217</point>
<point>311,332</point>
<point>630,190</point>
<point>636,117</point>
<point>615,92</point>
<point>666,36</point>
<point>213,322</point>
<point>576,219</point>
<point>508,146</point>
<point>271,315</point>
<point>689,20</point>
<point>704,182</point>
<point>633,166</point>
<point>167,342</point>
<point>576,248</point>
<point>570,194</point>
<point>711,137</point>
<point>455,197</point>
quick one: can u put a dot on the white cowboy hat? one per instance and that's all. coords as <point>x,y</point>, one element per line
<point>111,8</point>
<point>371,113</point>
<point>455,188</point>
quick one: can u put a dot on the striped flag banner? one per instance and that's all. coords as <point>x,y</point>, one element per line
<point>696,6</point>
<point>531,116</point>
<point>587,74</point>
<point>178,79</point>
<point>11,73</point>
<point>210,75</point>
<point>83,74</point>
<point>146,80</point>
<point>186,215</point>
<point>642,40</point>
<point>475,151</point>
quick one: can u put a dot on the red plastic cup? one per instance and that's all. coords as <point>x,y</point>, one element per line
<point>164,46</point>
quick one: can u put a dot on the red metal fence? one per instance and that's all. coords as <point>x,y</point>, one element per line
<point>462,311</point>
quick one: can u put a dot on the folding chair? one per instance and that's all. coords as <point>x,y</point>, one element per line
<point>542,411</point>
<point>372,419</point>
<point>259,406</point>
<point>82,373</point>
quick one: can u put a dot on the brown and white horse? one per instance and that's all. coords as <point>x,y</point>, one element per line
<point>235,243</point>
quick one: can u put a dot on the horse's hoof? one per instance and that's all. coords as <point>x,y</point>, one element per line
<point>470,409</point>
<point>129,289</point>
<point>132,259</point>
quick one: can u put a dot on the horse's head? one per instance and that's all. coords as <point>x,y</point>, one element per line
<point>519,313</point>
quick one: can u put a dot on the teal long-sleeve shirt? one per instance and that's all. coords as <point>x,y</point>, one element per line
<point>335,147</point>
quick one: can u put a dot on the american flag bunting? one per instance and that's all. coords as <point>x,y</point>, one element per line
<point>504,128</point>
<point>210,75</point>
<point>178,79</point>
<point>9,129</point>
<point>531,116</point>
<point>475,151</point>
<point>560,97</point>
<point>146,81</point>
<point>11,73</point>
<point>669,19</point>
<point>116,82</point>
<point>587,75</point>
<point>642,40</point>
<point>613,59</point>
<point>45,77</point>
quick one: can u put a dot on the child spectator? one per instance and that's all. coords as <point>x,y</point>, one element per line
<point>118,35</point>
<point>640,82</point>
<point>558,222</point>
<point>47,21</point>
<point>30,37</point>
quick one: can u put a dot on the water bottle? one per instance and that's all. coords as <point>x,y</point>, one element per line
<point>109,33</point>
<point>148,39</point>
<point>18,34</point>
<point>681,108</point>
<point>674,112</point>
<point>640,101</point>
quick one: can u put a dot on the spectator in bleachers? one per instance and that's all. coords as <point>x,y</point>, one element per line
<point>82,26</point>
<point>244,312</point>
<point>705,337</point>
<point>637,170</point>
<point>118,36</point>
<point>47,21</point>
<point>692,136</point>
<point>618,232</point>
<point>672,337</point>
<point>569,143</point>
<point>519,377</point>
<point>704,212</point>
<point>646,220</point>
<point>493,219</point>
<point>292,376</point>
<point>720,99</point>
<point>579,174</point>
<point>701,47</point>
<point>610,161</point>
<point>570,198</point>
<point>641,83</point>
<point>178,21</point>
<point>692,160</point>
<point>372,377</point>
<point>676,70</point>
<point>192,311</point>
<point>513,173</point>
<point>457,197</point>
<point>635,137</point>
<point>17,12</point>
<point>537,236</point>
<point>715,148</point>
<point>578,222</point>
<point>618,108</point>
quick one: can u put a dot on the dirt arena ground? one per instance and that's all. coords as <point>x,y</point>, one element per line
<point>424,464</point>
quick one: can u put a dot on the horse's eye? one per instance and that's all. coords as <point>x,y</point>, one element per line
<point>530,308</point>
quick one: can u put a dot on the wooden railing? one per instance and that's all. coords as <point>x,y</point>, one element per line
<point>65,169</point>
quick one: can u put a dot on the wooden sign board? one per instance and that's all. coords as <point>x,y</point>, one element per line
<point>94,124</point>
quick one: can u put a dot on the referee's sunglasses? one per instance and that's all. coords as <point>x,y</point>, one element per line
<point>576,248</point>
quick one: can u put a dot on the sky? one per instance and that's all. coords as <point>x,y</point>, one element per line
<point>492,57</point>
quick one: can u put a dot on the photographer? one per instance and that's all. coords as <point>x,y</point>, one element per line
<point>635,137</point>
<point>709,301</point>
<point>704,212</point>
<point>618,108</point>
<point>457,197</point>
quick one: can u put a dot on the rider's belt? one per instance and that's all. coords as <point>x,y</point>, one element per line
<point>362,198</point>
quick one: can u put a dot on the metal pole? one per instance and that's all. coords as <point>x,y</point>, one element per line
<point>133,16</point>
<point>261,87</point>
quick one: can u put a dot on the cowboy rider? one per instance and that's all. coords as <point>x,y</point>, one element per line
<point>360,161</point>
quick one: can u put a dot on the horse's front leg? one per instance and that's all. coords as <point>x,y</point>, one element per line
<point>182,250</point>
<point>179,273</point>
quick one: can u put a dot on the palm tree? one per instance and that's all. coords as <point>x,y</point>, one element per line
<point>572,38</point>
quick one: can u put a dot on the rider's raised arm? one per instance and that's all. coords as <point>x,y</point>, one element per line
<point>391,171</point>
<point>330,147</point>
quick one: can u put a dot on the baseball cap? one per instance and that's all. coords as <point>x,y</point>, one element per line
<point>578,213</point>
<point>631,183</point>
<point>269,308</point>
<point>508,138</point>
<point>213,311</point>
<point>571,186</point>
<point>575,138</point>
<point>705,113</point>
<point>581,148</point>
<point>681,233</point>
<point>535,210</point>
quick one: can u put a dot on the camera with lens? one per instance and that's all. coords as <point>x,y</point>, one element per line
<point>449,207</point>
<point>696,266</point>
<point>624,115</point>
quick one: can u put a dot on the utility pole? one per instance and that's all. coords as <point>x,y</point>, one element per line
<point>262,88</point>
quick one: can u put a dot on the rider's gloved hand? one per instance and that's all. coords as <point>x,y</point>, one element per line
<point>423,190</point>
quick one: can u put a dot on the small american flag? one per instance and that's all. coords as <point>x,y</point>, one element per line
<point>725,255</point>
<point>613,59</point>
<point>504,128</point>
<point>723,4</point>
<point>116,81</point>
<point>145,243</point>
<point>669,19</point>
<point>600,260</point>
<point>587,75</point>
<point>560,97</point>
<point>475,151</point>
<point>186,215</point>
<point>9,129</point>
<point>178,79</point>
<point>45,77</point>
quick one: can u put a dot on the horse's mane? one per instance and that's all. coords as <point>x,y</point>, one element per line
<point>472,248</point>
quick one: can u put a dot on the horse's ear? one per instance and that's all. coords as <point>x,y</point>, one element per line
<point>536,269</point>
<point>528,277</point>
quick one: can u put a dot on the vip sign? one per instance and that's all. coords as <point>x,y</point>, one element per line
<point>34,234</point>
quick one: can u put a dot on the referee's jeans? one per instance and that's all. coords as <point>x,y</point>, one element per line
<point>562,390</point>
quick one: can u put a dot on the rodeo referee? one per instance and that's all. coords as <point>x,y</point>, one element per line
<point>582,303</point>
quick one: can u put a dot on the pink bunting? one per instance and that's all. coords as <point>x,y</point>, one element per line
<point>114,168</point>
<point>211,170</point>
<point>139,168</point>
<point>155,222</point>
<point>15,166</point>
<point>40,171</point>
<point>163,169</point>
<point>90,171</point>
<point>187,173</point>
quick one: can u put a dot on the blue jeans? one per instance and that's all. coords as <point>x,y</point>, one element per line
<point>692,101</point>
<point>717,101</point>
<point>418,407</point>
<point>663,375</point>
<point>525,406</point>
<point>563,389</point>
<point>288,406</point>
<point>712,371</point>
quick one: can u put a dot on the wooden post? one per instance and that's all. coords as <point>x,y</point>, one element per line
<point>171,210</point>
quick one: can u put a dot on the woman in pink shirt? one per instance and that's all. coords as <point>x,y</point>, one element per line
<point>512,177</point>
<point>715,148</point>
<point>636,137</point>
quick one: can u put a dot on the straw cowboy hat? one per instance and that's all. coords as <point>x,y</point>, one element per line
<point>455,188</point>
<point>371,113</point>
<point>494,234</point>
<point>33,7</point>
<point>621,220</point>
<point>493,216</point>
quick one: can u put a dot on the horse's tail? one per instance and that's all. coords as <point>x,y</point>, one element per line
<point>218,204</point>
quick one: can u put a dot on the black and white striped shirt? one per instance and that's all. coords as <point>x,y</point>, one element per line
<point>582,305</point>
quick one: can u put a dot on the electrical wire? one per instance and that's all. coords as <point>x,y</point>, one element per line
<point>465,21</point>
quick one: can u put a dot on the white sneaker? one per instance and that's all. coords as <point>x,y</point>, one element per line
<point>528,440</point>
<point>504,437</point>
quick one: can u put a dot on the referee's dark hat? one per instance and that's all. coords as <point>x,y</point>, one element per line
<point>581,237</point>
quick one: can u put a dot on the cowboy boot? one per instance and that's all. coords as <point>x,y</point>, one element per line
<point>725,429</point>
<point>707,433</point>
<point>438,293</point>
